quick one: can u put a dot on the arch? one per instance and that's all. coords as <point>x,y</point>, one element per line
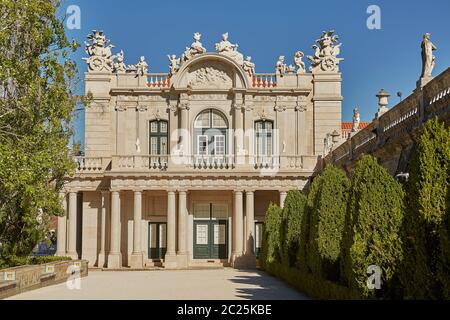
<point>210,133</point>
<point>179,79</point>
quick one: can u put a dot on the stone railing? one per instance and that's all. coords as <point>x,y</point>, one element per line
<point>25,278</point>
<point>158,80</point>
<point>264,80</point>
<point>90,164</point>
<point>180,163</point>
<point>399,122</point>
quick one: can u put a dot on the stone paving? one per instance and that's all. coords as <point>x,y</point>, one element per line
<point>217,284</point>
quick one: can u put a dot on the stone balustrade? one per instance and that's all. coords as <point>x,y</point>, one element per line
<point>90,164</point>
<point>158,80</point>
<point>264,80</point>
<point>399,124</point>
<point>175,163</point>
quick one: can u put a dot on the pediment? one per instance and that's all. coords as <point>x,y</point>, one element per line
<point>210,72</point>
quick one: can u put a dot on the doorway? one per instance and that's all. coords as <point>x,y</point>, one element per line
<point>157,241</point>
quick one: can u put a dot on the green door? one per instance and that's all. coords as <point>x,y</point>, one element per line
<point>157,237</point>
<point>210,231</point>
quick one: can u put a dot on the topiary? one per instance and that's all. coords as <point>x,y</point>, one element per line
<point>426,268</point>
<point>327,218</point>
<point>291,221</point>
<point>372,228</point>
<point>270,246</point>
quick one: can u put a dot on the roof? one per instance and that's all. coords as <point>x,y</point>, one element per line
<point>349,125</point>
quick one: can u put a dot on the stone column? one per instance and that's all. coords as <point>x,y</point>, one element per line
<point>238,134</point>
<point>184,129</point>
<point>283,195</point>
<point>62,228</point>
<point>250,213</point>
<point>137,259</point>
<point>102,254</point>
<point>238,229</point>
<point>72,240</point>
<point>182,230</point>
<point>115,256</point>
<point>170,260</point>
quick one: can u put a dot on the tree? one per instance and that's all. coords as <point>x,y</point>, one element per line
<point>426,268</point>
<point>271,245</point>
<point>327,218</point>
<point>372,228</point>
<point>37,83</point>
<point>291,226</point>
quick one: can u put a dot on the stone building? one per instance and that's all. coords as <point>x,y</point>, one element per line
<point>180,167</point>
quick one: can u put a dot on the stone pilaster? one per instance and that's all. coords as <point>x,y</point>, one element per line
<point>170,260</point>
<point>182,256</point>
<point>102,254</point>
<point>283,195</point>
<point>238,230</point>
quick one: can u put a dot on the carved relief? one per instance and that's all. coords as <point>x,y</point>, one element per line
<point>211,76</point>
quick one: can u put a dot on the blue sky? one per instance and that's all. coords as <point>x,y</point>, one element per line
<point>388,58</point>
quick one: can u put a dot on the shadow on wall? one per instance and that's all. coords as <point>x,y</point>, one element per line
<point>261,286</point>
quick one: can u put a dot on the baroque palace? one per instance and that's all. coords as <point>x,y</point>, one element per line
<point>180,167</point>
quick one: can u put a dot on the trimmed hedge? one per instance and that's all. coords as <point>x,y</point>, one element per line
<point>270,242</point>
<point>426,268</point>
<point>327,208</point>
<point>23,261</point>
<point>372,228</point>
<point>291,221</point>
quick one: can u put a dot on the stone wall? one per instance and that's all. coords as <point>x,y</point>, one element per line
<point>25,278</point>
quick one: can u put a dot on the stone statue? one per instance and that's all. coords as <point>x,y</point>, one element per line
<point>225,47</point>
<point>100,54</point>
<point>249,66</point>
<point>298,60</point>
<point>428,59</point>
<point>119,66</point>
<point>290,69</point>
<point>174,64</point>
<point>325,55</point>
<point>280,68</point>
<point>356,120</point>
<point>195,49</point>
<point>328,144</point>
<point>142,67</point>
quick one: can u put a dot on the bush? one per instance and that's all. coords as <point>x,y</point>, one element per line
<point>291,223</point>
<point>327,218</point>
<point>270,246</point>
<point>372,228</point>
<point>23,261</point>
<point>426,268</point>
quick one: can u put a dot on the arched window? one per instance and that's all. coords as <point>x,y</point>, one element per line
<point>210,133</point>
<point>264,138</point>
<point>158,138</point>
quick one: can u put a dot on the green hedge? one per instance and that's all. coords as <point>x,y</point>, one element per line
<point>372,228</point>
<point>291,221</point>
<point>327,208</point>
<point>23,261</point>
<point>426,268</point>
<point>271,242</point>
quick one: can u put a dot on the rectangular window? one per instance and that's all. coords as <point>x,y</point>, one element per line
<point>202,145</point>
<point>219,145</point>
<point>153,146</point>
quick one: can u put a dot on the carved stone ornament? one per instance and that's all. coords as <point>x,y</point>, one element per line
<point>195,49</point>
<point>121,108</point>
<point>325,53</point>
<point>209,77</point>
<point>119,65</point>
<point>100,54</point>
<point>225,47</point>
<point>262,114</point>
<point>142,108</point>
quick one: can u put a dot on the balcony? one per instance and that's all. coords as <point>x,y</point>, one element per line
<point>195,163</point>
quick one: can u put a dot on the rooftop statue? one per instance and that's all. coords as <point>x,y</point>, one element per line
<point>142,67</point>
<point>428,59</point>
<point>174,64</point>
<point>325,55</point>
<point>100,54</point>
<point>281,67</point>
<point>225,47</point>
<point>195,49</point>
<point>249,66</point>
<point>356,120</point>
<point>119,66</point>
<point>298,61</point>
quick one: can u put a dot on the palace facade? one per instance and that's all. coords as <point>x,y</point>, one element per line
<point>180,167</point>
